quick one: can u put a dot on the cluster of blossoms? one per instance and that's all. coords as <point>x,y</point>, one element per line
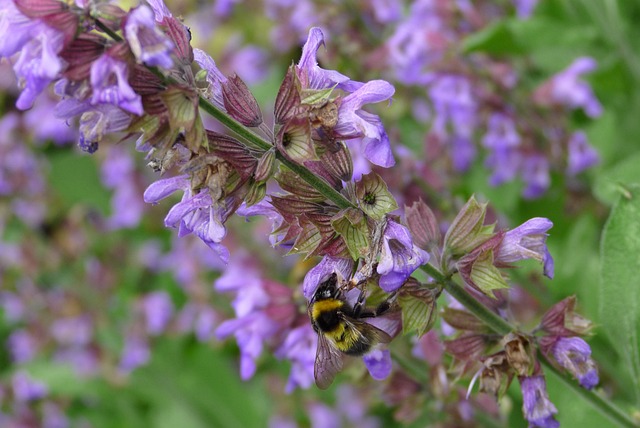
<point>473,104</point>
<point>131,72</point>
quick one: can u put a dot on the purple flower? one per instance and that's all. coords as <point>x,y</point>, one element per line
<point>568,90</point>
<point>299,347</point>
<point>22,346</point>
<point>417,43</point>
<point>315,77</point>
<point>135,353</point>
<point>95,122</point>
<point>15,29</point>
<point>75,331</point>
<point>250,62</point>
<point>400,257</point>
<point>251,331</point>
<point>25,388</point>
<point>378,362</point>
<point>158,309</point>
<point>38,63</point>
<point>321,272</point>
<point>581,155</point>
<point>118,173</point>
<point>214,77</point>
<point>53,417</point>
<point>264,208</point>
<point>147,42</point>
<point>537,407</point>
<point>386,11</point>
<point>195,213</point>
<point>524,8</point>
<point>505,164</point>
<point>353,121</point>
<point>574,355</point>
<point>501,133</point>
<point>322,416</point>
<point>109,81</point>
<point>535,174</point>
<point>527,241</point>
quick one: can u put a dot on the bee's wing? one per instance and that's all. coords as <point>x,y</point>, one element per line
<point>372,333</point>
<point>328,362</point>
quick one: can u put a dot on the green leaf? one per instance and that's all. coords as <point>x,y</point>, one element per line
<point>620,282</point>
<point>611,182</point>
<point>497,39</point>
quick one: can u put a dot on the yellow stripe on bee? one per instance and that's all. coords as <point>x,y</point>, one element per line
<point>322,306</point>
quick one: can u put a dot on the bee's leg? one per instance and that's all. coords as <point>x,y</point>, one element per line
<point>359,305</point>
<point>378,310</point>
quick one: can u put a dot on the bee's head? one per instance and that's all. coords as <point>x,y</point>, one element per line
<point>328,289</point>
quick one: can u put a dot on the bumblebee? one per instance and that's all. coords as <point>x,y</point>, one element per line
<point>340,328</point>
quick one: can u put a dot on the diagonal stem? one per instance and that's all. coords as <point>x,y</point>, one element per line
<point>501,326</point>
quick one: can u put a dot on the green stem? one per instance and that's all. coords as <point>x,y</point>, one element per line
<point>490,318</point>
<point>501,326</point>
<point>258,142</point>
<point>606,407</point>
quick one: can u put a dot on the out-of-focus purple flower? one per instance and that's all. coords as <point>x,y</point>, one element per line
<point>293,18</point>
<point>38,63</point>
<point>198,318</point>
<point>567,89</point>
<point>581,155</point>
<point>75,331</point>
<point>195,213</point>
<point>25,388</point>
<point>386,11</point>
<point>250,331</point>
<point>262,308</point>
<point>321,272</point>
<point>46,126</point>
<point>83,360</point>
<point>378,362</point>
<point>574,355</point>
<point>11,304</point>
<point>147,42</point>
<point>135,353</point>
<point>400,257</point>
<point>158,310</point>
<point>323,416</point>
<point>109,81</point>
<point>53,417</point>
<point>22,346</point>
<point>527,241</point>
<point>501,133</point>
<point>535,174</point>
<point>118,173</point>
<point>264,208</point>
<point>223,8</point>
<point>417,43</point>
<point>250,62</point>
<point>505,165</point>
<point>524,8</point>
<point>299,347</point>
<point>537,407</point>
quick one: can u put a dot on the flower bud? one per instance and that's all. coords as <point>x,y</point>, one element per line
<point>257,192</point>
<point>467,230</point>
<point>266,165</point>
<point>240,102</point>
<point>288,98</point>
<point>423,224</point>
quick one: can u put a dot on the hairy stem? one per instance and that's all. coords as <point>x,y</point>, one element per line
<point>258,142</point>
<point>501,326</point>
